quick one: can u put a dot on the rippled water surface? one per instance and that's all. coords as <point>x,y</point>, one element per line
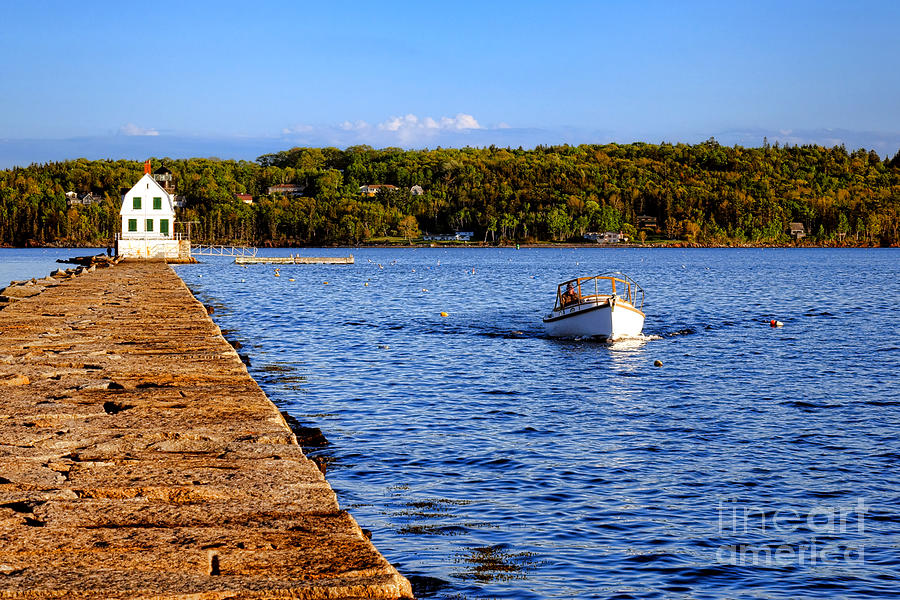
<point>492,462</point>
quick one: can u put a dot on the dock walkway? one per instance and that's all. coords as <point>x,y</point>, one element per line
<point>138,459</point>
<point>295,260</point>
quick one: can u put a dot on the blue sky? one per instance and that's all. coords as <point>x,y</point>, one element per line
<point>236,79</point>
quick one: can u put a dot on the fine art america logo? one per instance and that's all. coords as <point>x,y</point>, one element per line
<point>818,536</point>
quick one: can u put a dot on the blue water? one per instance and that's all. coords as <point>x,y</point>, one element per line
<point>18,264</point>
<point>492,462</point>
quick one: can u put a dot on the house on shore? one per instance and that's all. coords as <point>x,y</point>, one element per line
<point>148,222</point>
<point>85,199</point>
<point>371,189</point>
<point>456,236</point>
<point>607,237</point>
<point>245,198</point>
<point>797,231</point>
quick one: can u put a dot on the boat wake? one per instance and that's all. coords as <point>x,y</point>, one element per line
<point>621,342</point>
<point>631,342</point>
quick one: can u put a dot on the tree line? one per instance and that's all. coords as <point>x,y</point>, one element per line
<point>703,193</point>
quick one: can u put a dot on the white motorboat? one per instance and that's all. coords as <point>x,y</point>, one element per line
<point>606,307</point>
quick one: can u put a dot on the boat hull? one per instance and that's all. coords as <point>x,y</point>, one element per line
<point>607,321</point>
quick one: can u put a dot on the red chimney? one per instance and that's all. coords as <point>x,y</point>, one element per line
<point>147,167</point>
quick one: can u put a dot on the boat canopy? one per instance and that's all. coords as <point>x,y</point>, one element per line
<point>597,289</point>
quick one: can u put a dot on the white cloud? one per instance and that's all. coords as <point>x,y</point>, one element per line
<point>407,130</point>
<point>132,129</point>
<point>460,121</point>
<point>413,123</point>
<point>411,128</point>
<point>398,123</point>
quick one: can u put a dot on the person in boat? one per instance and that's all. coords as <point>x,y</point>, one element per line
<point>570,296</point>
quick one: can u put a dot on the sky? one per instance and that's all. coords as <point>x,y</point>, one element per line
<point>239,79</point>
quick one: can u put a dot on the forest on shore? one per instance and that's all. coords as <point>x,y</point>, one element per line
<point>705,194</point>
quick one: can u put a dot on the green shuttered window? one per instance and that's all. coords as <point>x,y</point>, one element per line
<point>136,203</point>
<point>164,226</point>
<point>132,224</point>
<point>149,225</point>
<point>157,204</point>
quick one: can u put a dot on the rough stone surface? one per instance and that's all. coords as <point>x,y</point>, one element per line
<point>138,459</point>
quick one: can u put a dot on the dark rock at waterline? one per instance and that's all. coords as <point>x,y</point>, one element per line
<point>307,437</point>
<point>89,261</point>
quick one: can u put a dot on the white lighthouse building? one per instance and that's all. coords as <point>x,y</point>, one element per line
<point>148,223</point>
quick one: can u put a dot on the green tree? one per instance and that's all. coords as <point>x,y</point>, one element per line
<point>558,223</point>
<point>408,228</point>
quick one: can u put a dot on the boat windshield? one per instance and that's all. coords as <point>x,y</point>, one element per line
<point>597,289</point>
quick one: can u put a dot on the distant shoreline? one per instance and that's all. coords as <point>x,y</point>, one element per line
<point>679,245</point>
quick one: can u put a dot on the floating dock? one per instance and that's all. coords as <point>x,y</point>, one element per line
<point>138,458</point>
<point>295,260</point>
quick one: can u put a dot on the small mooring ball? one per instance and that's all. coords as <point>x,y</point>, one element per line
<point>443,314</point>
<point>657,363</point>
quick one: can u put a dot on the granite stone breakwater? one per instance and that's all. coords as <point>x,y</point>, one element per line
<point>138,459</point>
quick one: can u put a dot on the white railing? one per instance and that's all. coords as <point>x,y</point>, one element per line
<point>216,250</point>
